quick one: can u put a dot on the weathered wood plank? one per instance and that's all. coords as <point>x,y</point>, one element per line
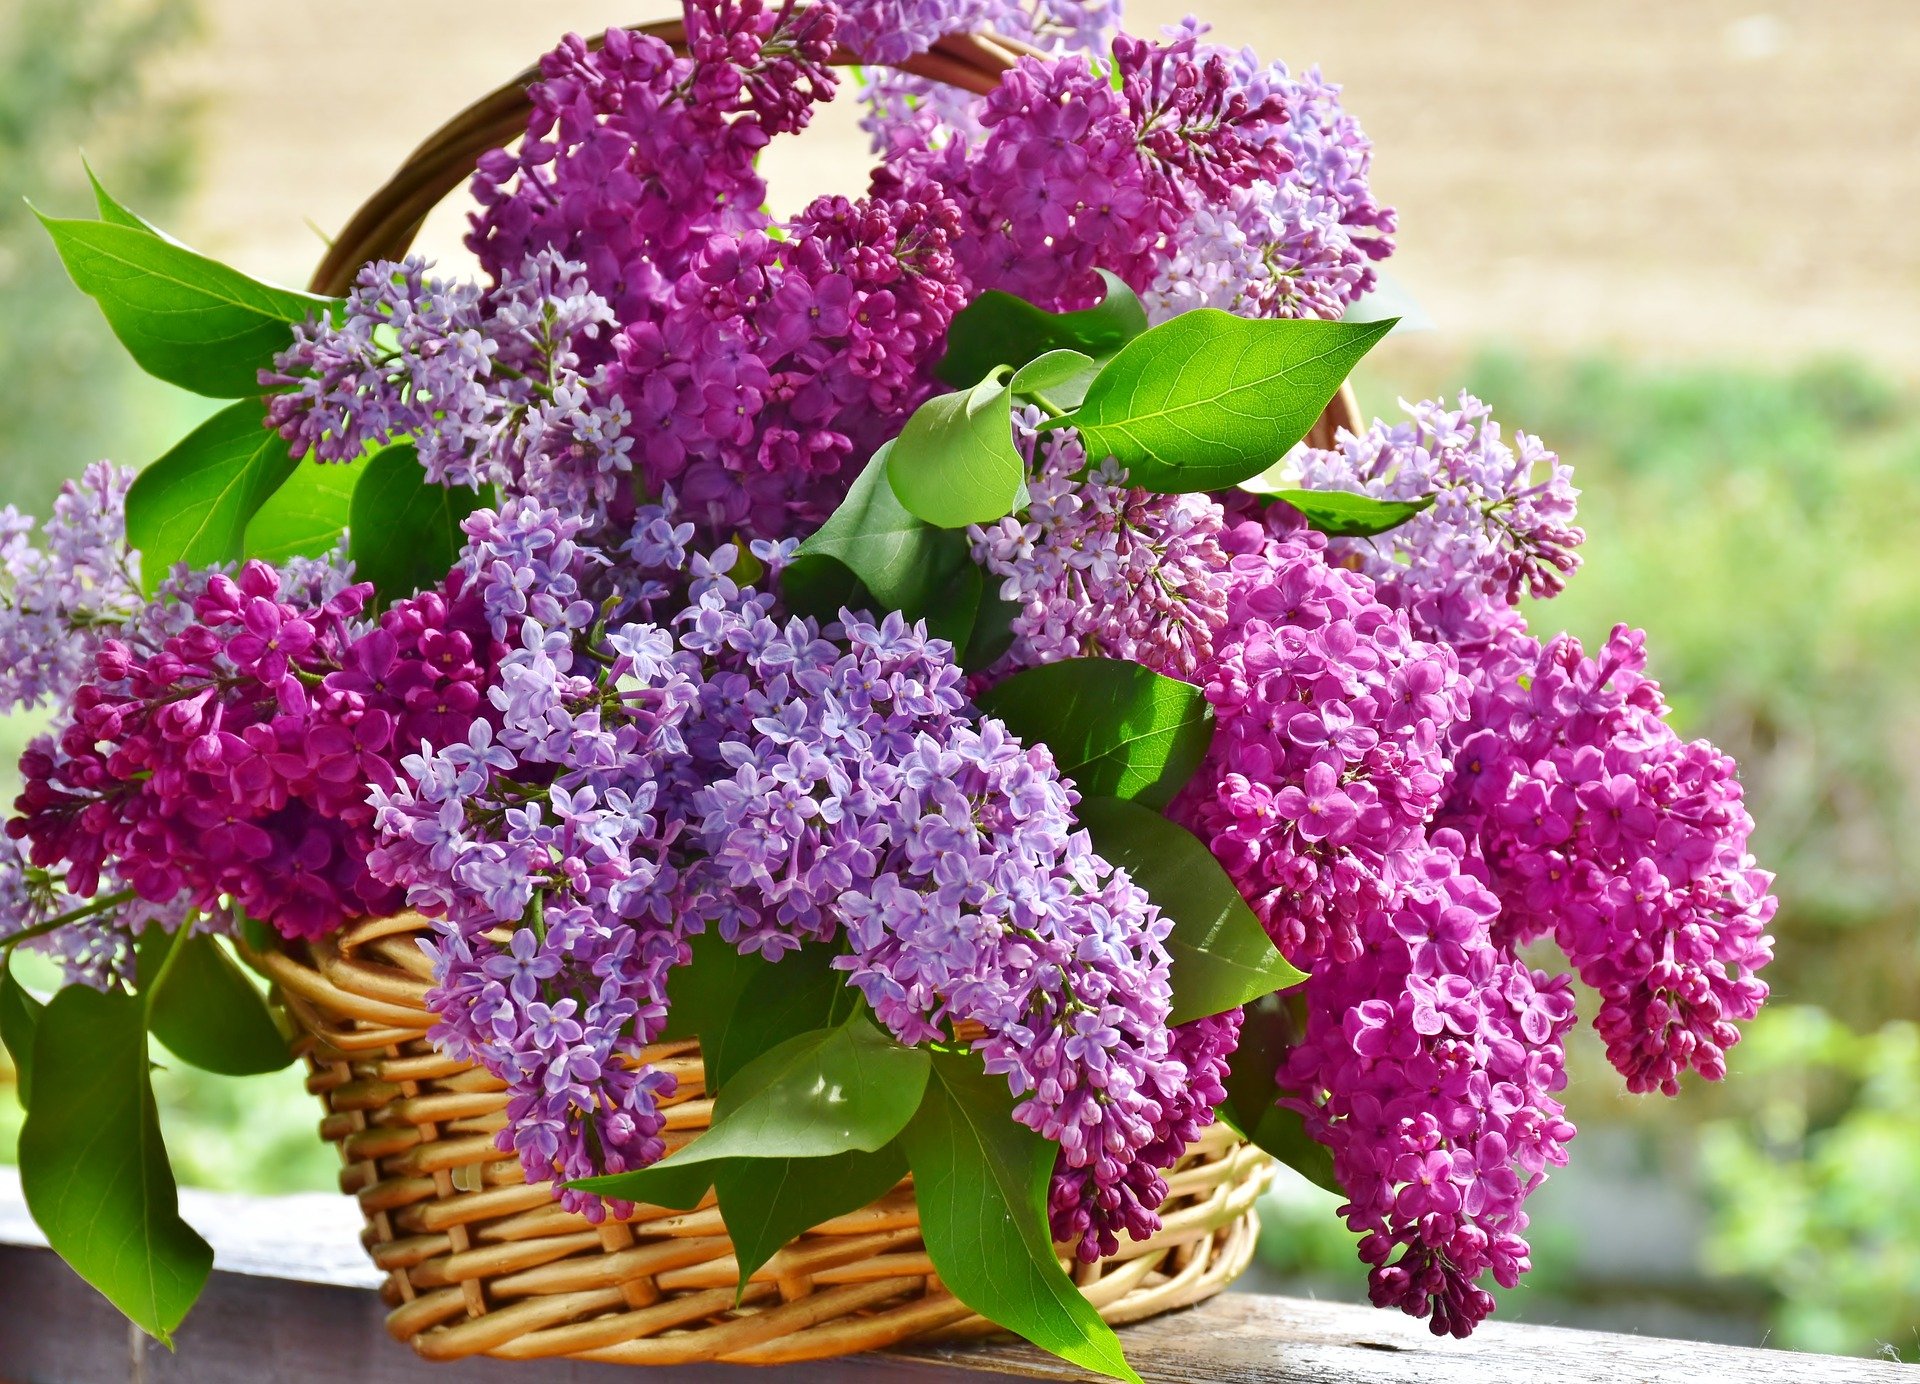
<point>290,1303</point>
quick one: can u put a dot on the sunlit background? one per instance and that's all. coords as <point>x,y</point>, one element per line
<point>1676,241</point>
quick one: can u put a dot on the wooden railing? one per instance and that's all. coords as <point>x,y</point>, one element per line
<point>292,1301</point>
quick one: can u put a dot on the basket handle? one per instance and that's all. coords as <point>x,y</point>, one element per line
<point>384,228</point>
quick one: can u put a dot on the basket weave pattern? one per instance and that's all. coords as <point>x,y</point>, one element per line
<point>480,1262</point>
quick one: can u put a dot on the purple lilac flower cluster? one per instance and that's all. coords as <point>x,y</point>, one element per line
<point>633,156</point>
<point>1097,567</point>
<point>230,760</point>
<point>58,602</point>
<point>1602,827</point>
<point>1299,245</point>
<point>1429,1066</point>
<point>783,785</point>
<point>866,802</point>
<point>777,361</point>
<point>1500,525</point>
<point>553,820</point>
<point>487,385</point>
<point>1081,170</point>
<point>1331,749</point>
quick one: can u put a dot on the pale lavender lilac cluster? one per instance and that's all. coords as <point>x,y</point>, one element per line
<point>1499,525</point>
<point>487,385</point>
<point>1097,567</point>
<point>58,601</point>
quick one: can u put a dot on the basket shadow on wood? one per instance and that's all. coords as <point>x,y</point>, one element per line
<point>478,1261</point>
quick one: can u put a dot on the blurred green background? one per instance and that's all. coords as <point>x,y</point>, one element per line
<point>1749,500</point>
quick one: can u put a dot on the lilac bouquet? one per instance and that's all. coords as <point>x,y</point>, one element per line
<point>923,609</point>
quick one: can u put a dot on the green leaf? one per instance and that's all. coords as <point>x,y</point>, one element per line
<point>206,1011</point>
<point>999,329</point>
<point>1058,380</point>
<point>873,555</point>
<point>832,1091</point>
<point>1222,957</point>
<point>674,1186</point>
<point>766,1202</point>
<point>307,515</point>
<point>193,504</point>
<point>1117,729</point>
<point>980,1178</point>
<point>111,210</point>
<point>777,1000</point>
<point>19,1016</point>
<point>992,633</point>
<point>93,1167</point>
<point>954,463</point>
<point>1209,400</point>
<point>184,318</point>
<point>403,530</point>
<point>1272,1026</point>
<point>703,993</point>
<point>1341,515</point>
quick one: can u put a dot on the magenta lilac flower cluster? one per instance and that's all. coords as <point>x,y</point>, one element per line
<point>1429,1066</point>
<point>1331,751</point>
<point>229,763</point>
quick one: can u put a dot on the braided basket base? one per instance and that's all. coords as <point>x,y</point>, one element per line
<point>480,1263</point>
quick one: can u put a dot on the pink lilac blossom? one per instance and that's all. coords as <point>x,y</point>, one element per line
<point>60,600</point>
<point>232,758</point>
<point>1500,525</point>
<point>1429,1066</point>
<point>632,156</point>
<point>1302,244</point>
<point>488,386</point>
<point>1097,567</point>
<point>1331,750</point>
<point>1601,827</point>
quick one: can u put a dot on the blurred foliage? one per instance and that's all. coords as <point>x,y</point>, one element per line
<point>1814,1189</point>
<point>77,74</point>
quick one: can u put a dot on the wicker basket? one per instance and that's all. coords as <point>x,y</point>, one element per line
<point>481,1263</point>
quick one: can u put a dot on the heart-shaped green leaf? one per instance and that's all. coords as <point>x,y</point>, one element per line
<point>403,531</point>
<point>193,505</point>
<point>308,514</point>
<point>184,318</point>
<point>1117,729</point>
<point>766,1202</point>
<point>1271,1026</point>
<point>19,1016</point>
<point>980,1178</point>
<point>1341,515</point>
<point>954,463</point>
<point>206,1011</point>
<point>873,555</point>
<point>1222,957</point>
<point>92,1165</point>
<point>1209,400</point>
<point>999,329</point>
